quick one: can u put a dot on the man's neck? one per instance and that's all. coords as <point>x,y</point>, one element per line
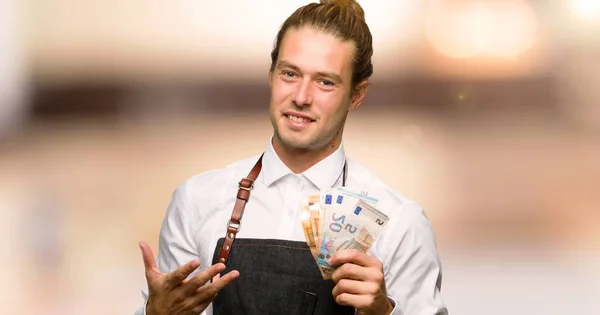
<point>299,160</point>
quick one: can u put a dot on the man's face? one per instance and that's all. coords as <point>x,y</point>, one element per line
<point>311,89</point>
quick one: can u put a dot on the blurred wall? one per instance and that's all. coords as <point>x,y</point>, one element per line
<point>13,62</point>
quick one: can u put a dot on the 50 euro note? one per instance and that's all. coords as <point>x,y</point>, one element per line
<point>316,217</point>
<point>362,228</point>
<point>308,232</point>
<point>312,218</point>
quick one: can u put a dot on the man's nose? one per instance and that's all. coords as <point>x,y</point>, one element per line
<point>303,93</point>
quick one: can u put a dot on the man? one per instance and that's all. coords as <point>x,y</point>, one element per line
<point>320,68</point>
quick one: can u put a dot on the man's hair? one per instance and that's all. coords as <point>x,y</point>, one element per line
<point>344,19</point>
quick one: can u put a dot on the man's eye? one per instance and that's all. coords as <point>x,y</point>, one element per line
<point>327,83</point>
<point>289,74</point>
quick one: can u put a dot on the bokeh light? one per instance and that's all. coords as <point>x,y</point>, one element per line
<point>459,29</point>
<point>463,29</point>
<point>515,30</point>
<point>586,9</point>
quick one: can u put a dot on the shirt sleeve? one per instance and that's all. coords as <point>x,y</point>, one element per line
<point>142,309</point>
<point>412,267</point>
<point>177,244</point>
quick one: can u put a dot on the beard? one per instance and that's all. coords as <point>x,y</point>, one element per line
<point>311,139</point>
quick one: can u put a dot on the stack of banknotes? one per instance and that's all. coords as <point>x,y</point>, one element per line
<point>337,219</point>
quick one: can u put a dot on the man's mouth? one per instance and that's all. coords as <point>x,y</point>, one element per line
<point>298,118</point>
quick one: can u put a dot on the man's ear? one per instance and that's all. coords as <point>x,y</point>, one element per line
<point>358,94</point>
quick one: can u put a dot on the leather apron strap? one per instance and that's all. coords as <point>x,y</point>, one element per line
<point>233,226</point>
<point>244,187</point>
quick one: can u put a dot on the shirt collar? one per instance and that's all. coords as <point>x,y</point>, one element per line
<point>323,174</point>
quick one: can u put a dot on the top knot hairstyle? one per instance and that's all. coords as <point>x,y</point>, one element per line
<point>344,19</point>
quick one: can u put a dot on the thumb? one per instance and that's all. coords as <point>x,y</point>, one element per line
<point>149,261</point>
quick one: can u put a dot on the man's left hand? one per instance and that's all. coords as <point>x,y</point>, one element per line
<point>359,282</point>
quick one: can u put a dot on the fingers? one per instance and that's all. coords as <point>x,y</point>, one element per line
<point>174,278</point>
<point>216,277</point>
<point>355,300</point>
<point>355,272</point>
<point>149,262</point>
<point>366,303</point>
<point>354,287</point>
<point>206,294</point>
<point>359,282</point>
<point>210,291</point>
<point>203,277</point>
<point>225,280</point>
<point>354,256</point>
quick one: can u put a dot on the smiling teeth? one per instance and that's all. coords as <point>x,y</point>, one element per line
<point>298,119</point>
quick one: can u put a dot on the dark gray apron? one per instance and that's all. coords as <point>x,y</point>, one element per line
<point>276,276</point>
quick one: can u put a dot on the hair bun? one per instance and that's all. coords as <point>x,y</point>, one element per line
<point>351,4</point>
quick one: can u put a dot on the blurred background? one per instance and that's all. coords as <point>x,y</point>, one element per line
<point>485,112</point>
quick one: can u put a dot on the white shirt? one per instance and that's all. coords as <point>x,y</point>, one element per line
<point>201,207</point>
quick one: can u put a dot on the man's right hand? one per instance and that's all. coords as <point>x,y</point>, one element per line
<point>172,294</point>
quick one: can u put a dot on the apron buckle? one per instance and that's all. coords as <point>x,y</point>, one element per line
<point>246,184</point>
<point>233,225</point>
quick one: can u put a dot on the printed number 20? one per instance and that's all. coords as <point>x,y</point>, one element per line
<point>350,228</point>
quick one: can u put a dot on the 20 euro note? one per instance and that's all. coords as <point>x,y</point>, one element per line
<point>338,206</point>
<point>362,228</point>
<point>344,191</point>
<point>338,200</point>
<point>325,204</point>
<point>323,255</point>
<point>332,214</point>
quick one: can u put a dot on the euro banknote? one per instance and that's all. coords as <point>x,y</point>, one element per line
<point>338,219</point>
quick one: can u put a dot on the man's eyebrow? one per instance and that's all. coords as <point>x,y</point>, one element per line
<point>334,76</point>
<point>285,64</point>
